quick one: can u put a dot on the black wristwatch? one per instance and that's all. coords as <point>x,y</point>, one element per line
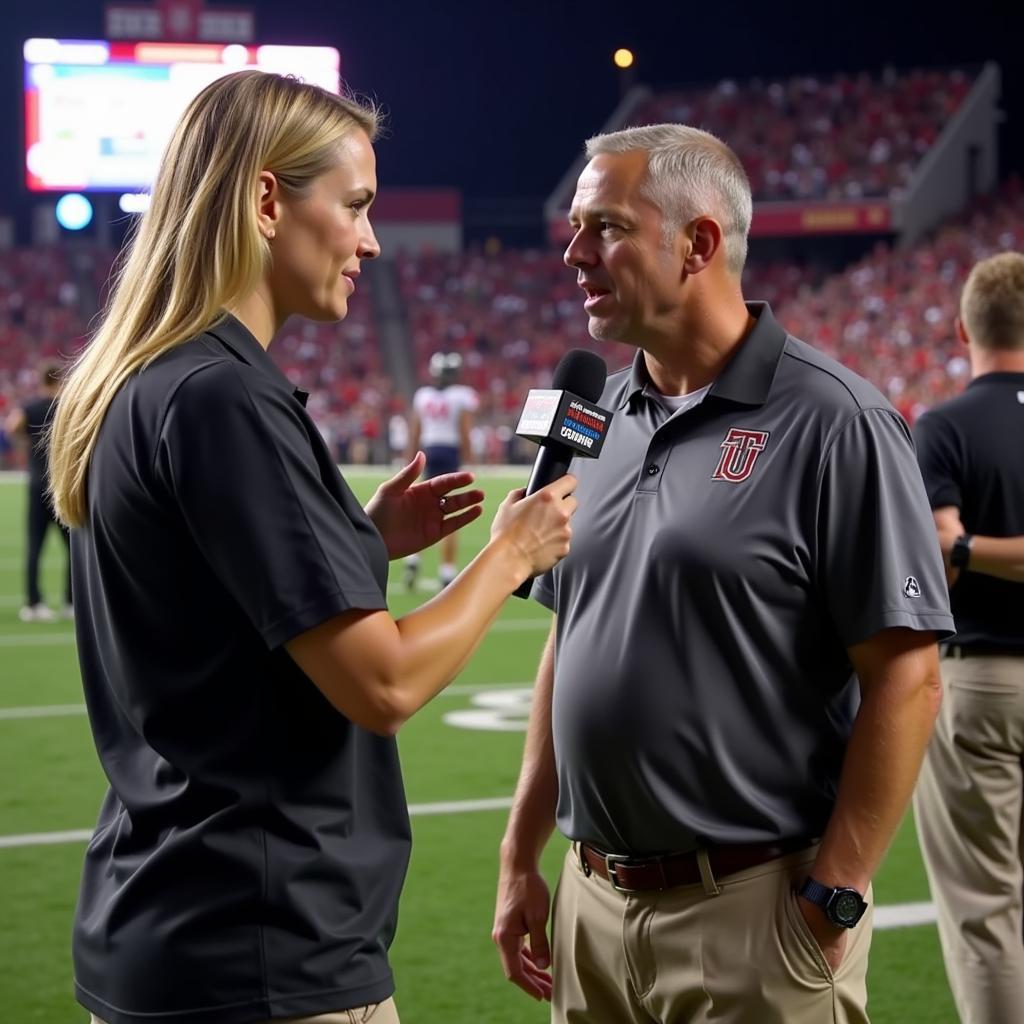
<point>961,553</point>
<point>843,906</point>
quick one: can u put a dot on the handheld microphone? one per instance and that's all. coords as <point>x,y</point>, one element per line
<point>564,421</point>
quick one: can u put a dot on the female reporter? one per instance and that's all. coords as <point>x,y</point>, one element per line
<point>243,677</point>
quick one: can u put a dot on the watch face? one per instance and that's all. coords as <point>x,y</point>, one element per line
<point>847,908</point>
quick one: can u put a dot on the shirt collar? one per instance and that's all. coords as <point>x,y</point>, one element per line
<point>997,377</point>
<point>747,377</point>
<point>231,332</point>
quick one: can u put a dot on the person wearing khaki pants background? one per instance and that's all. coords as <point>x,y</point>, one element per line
<point>742,674</point>
<point>970,798</point>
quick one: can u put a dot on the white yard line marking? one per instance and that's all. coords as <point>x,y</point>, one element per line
<point>45,711</point>
<point>495,803</point>
<point>904,915</point>
<point>65,710</point>
<point>62,639</point>
<point>893,915</point>
<point>83,835</point>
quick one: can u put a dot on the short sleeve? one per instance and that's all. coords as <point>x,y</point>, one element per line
<point>938,455</point>
<point>237,460</point>
<point>543,590</point>
<point>878,559</point>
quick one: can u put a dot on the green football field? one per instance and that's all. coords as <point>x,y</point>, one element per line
<point>460,756</point>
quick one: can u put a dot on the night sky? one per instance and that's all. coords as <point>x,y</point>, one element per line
<point>496,99</point>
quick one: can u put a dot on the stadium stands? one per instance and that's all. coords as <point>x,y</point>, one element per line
<point>890,315</point>
<point>39,315</point>
<point>809,138</point>
<point>512,314</point>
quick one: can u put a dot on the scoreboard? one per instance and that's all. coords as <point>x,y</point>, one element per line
<point>98,113</point>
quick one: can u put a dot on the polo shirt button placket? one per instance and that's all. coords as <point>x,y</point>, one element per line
<point>653,469</point>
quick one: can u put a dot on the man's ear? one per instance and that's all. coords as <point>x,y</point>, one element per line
<point>961,332</point>
<point>706,238</point>
<point>268,204</point>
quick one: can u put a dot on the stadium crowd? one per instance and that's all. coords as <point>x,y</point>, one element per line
<point>512,314</point>
<point>49,297</point>
<point>811,138</point>
<point>890,316</point>
<point>351,394</point>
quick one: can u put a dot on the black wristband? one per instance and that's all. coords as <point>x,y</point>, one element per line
<point>961,552</point>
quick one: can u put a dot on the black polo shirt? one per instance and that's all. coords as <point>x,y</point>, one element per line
<point>249,853</point>
<point>39,414</point>
<point>724,558</point>
<point>972,457</point>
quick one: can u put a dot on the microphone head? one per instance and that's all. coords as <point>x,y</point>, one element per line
<point>582,372</point>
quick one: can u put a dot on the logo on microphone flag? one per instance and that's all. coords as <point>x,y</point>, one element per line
<point>539,412</point>
<point>563,418</point>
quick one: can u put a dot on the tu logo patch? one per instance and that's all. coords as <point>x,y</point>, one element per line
<point>911,588</point>
<point>740,450</point>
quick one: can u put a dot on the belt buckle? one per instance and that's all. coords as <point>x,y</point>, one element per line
<point>610,861</point>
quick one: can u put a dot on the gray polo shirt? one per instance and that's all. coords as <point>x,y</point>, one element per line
<point>724,558</point>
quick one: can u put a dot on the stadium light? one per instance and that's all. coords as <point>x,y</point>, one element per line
<point>623,58</point>
<point>74,211</point>
<point>235,55</point>
<point>134,202</point>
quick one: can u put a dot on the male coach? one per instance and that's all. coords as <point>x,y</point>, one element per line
<point>742,675</point>
<point>970,797</point>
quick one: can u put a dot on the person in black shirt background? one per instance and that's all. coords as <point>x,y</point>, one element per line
<point>243,676</point>
<point>32,421</point>
<point>970,797</point>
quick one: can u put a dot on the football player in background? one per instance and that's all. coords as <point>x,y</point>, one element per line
<point>440,424</point>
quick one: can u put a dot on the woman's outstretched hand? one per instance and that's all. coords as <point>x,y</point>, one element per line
<point>411,516</point>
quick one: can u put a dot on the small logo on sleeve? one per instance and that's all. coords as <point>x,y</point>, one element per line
<point>911,588</point>
<point>740,450</point>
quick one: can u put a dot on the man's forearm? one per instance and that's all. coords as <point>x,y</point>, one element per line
<point>532,818</point>
<point>998,556</point>
<point>900,701</point>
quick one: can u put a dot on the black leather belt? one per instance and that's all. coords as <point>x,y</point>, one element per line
<point>980,651</point>
<point>646,874</point>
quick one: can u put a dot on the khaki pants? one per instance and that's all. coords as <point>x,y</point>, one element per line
<point>378,1013</point>
<point>968,807</point>
<point>684,956</point>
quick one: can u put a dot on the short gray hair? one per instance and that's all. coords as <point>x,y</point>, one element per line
<point>690,172</point>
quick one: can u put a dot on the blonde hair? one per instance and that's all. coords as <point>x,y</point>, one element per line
<point>198,248</point>
<point>992,303</point>
<point>689,172</point>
